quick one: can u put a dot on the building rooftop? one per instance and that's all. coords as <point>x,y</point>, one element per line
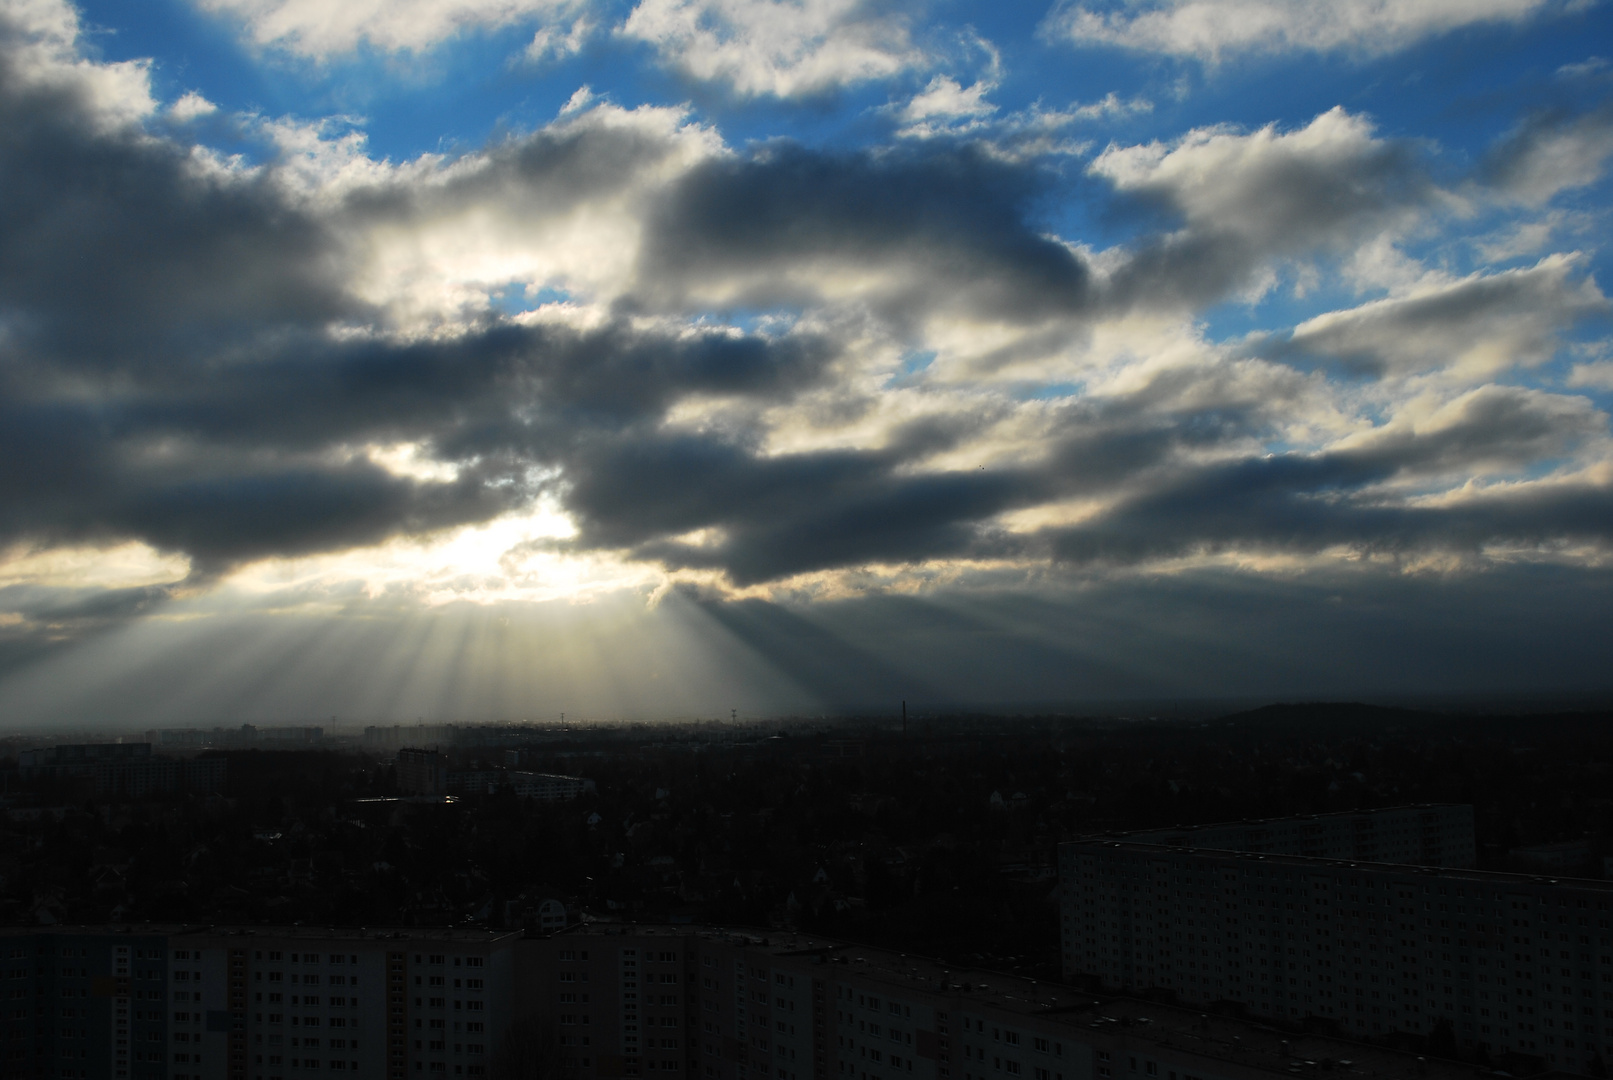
<point>1496,878</point>
<point>307,933</point>
<point>1291,819</point>
<point>1254,1045</point>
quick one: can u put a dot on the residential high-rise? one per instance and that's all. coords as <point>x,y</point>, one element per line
<point>183,1003</point>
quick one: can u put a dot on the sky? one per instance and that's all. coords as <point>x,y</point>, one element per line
<point>381,360</point>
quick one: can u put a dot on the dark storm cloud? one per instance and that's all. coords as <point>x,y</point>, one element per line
<point>947,226</point>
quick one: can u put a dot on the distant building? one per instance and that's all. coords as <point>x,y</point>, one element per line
<point>1568,856</point>
<point>551,916</point>
<point>548,787</point>
<point>246,735</point>
<point>473,781</point>
<point>123,769</point>
<point>422,772</point>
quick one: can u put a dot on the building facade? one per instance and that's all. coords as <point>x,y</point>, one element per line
<point>254,1004</point>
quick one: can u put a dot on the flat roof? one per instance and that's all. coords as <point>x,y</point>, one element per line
<point>1291,819</point>
<point>307,933</point>
<point>1495,878</point>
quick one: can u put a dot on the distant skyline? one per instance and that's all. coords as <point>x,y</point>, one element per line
<point>488,358</point>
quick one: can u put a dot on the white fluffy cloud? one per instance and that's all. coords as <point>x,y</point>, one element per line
<point>1212,29</point>
<point>321,28</point>
<point>784,48</point>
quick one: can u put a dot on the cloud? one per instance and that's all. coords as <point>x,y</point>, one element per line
<point>761,366</point>
<point>1588,66</point>
<point>1244,199</point>
<point>1481,324</point>
<point>191,106</point>
<point>905,233</point>
<point>41,63</point>
<point>783,515</point>
<point>556,42</point>
<point>321,30</point>
<point>945,98</point>
<point>116,247</point>
<point>948,110</point>
<point>1356,495</point>
<point>1211,30</point>
<point>1550,153</point>
<point>1595,374</point>
<point>779,48</point>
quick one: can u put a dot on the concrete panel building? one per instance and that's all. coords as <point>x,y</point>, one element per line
<point>254,1004</point>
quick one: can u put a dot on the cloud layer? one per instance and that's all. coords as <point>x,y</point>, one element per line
<point>778,369</point>
<point>1211,30</point>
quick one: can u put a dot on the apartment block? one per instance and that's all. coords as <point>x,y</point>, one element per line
<point>646,1002</point>
<point>186,1003</point>
<point>1427,835</point>
<point>1505,963</point>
